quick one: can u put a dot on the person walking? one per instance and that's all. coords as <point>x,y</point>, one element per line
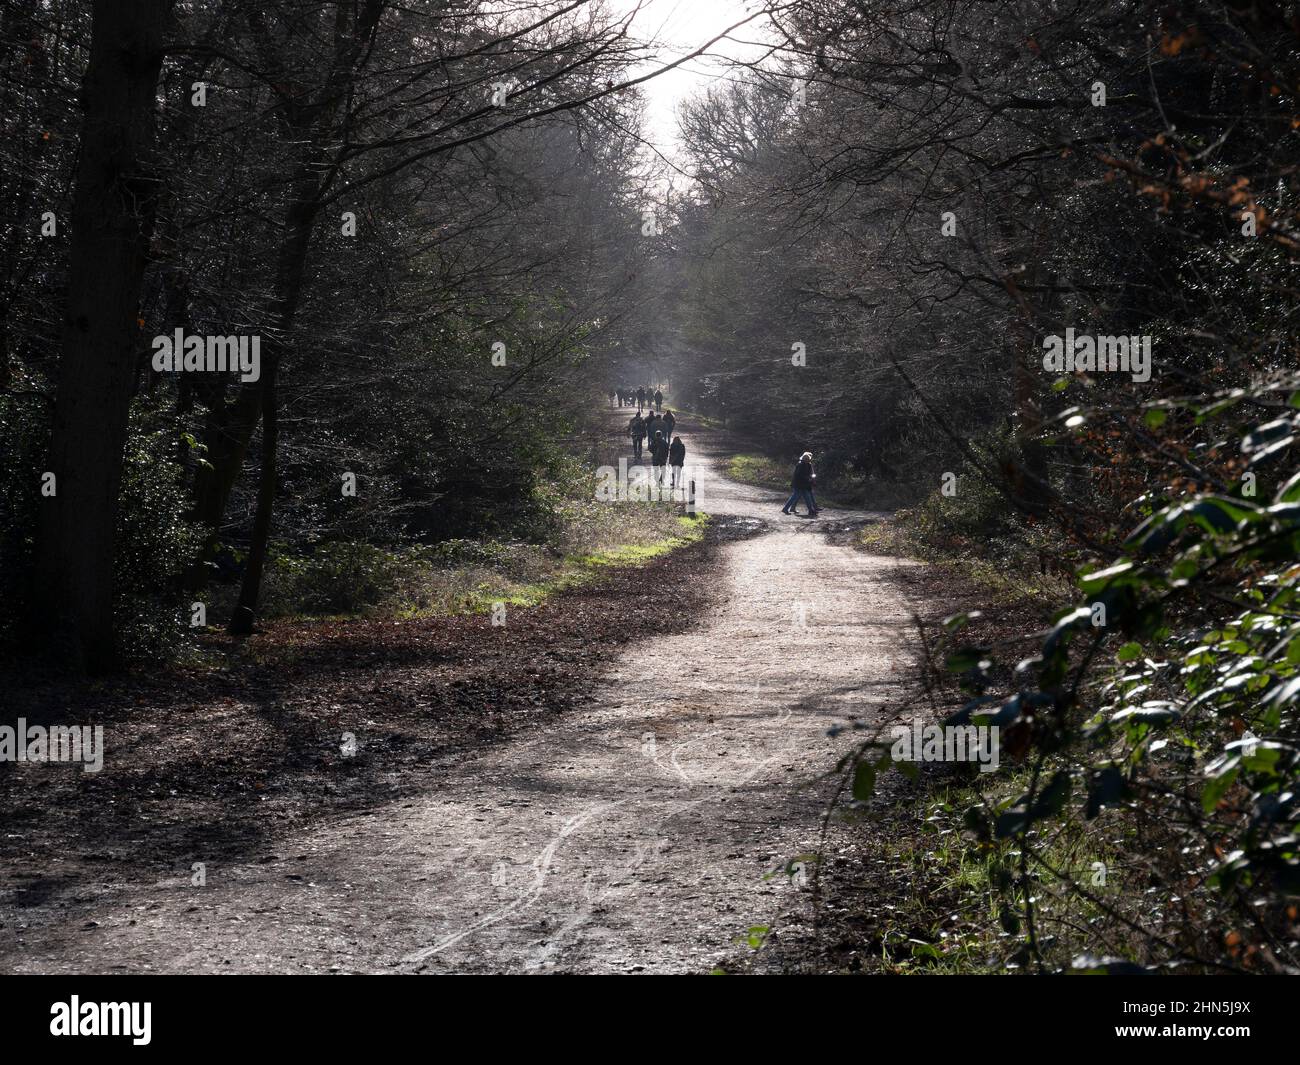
<point>659,456</point>
<point>670,421</point>
<point>636,430</point>
<point>802,484</point>
<point>653,425</point>
<point>677,459</point>
<point>640,398</point>
<point>659,400</point>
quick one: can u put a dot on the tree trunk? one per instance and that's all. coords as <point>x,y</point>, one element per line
<point>111,226</point>
<point>227,431</point>
<point>290,273</point>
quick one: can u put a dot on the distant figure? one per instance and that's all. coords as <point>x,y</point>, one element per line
<point>659,399</point>
<point>636,430</point>
<point>669,422</point>
<point>802,483</point>
<point>640,398</point>
<point>659,456</point>
<point>677,459</point>
<point>613,396</point>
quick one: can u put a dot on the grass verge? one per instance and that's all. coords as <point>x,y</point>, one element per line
<point>576,570</point>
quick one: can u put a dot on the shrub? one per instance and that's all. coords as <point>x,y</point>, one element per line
<point>1162,710</point>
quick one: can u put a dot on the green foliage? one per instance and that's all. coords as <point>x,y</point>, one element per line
<point>23,430</point>
<point>155,542</point>
<point>977,530</point>
<point>1176,722</point>
<point>337,578</point>
<point>758,470</point>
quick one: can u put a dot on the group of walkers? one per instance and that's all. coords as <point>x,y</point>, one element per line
<point>641,398</point>
<point>665,449</point>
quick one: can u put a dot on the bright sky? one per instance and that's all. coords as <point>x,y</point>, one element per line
<point>681,26</point>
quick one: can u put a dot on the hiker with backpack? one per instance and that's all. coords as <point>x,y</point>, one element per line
<point>802,484</point>
<point>677,459</point>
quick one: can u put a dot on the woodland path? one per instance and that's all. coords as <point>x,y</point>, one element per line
<point>637,835</point>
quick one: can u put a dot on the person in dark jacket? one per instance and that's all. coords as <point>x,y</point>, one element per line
<point>659,456</point>
<point>636,430</point>
<point>640,398</point>
<point>659,400</point>
<point>670,421</point>
<point>677,459</point>
<point>802,484</point>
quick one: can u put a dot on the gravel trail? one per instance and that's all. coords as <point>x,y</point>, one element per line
<point>638,835</point>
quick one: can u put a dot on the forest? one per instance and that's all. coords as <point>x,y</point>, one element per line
<point>320,325</point>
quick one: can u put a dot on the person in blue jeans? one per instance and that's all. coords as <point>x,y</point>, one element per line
<point>802,484</point>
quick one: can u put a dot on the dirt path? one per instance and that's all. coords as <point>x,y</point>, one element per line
<point>635,836</point>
